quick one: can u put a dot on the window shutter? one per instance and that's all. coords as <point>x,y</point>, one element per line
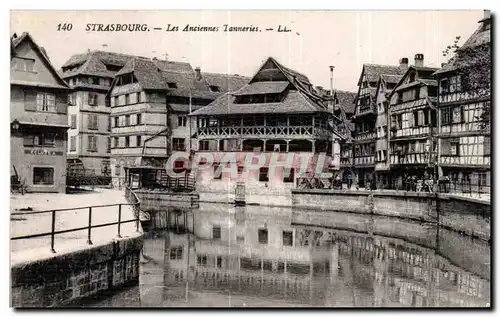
<point>445,147</point>
<point>89,121</point>
<point>96,122</point>
<point>486,145</point>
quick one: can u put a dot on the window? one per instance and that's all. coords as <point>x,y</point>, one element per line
<point>109,123</point>
<point>108,144</point>
<point>72,143</point>
<point>217,172</point>
<point>288,238</point>
<point>455,147</point>
<point>240,239</point>
<point>127,120</point>
<point>138,140</point>
<point>178,144</point>
<point>263,174</point>
<point>43,176</point>
<point>118,170</point>
<point>417,93</point>
<point>117,122</point>
<point>139,119</point>
<point>73,121</point>
<point>70,99</point>
<point>172,85</point>
<point>116,142</point>
<point>216,232</point>
<point>204,145</point>
<point>412,77</point>
<point>181,121</point>
<point>219,261</point>
<point>116,101</point>
<point>45,102</point>
<point>457,115</point>
<point>446,115</point>
<point>127,141</point>
<point>23,64</point>
<point>92,145</point>
<point>127,99</point>
<point>92,99</point>
<point>106,167</point>
<point>176,253</point>
<point>46,139</point>
<point>92,122</point>
<point>214,88</point>
<point>107,102</point>
<point>288,175</point>
<point>400,97</point>
<point>444,86</point>
<point>201,260</point>
<point>138,97</point>
<point>263,236</point>
<point>93,81</point>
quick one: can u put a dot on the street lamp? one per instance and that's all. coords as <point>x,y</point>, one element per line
<point>15,125</point>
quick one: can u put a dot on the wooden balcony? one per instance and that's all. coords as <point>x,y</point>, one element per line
<point>365,136</point>
<point>288,132</point>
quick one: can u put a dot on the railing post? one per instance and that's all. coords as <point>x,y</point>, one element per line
<point>136,206</point>
<point>52,236</point>
<point>89,240</point>
<point>119,220</point>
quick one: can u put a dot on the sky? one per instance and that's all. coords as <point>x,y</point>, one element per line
<point>318,39</point>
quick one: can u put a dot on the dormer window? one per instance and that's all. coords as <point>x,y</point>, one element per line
<point>112,68</point>
<point>172,85</point>
<point>412,77</point>
<point>126,79</point>
<point>214,88</point>
<point>23,64</point>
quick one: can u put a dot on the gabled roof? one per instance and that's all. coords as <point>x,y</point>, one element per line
<point>345,100</point>
<point>94,63</point>
<point>481,37</point>
<point>373,71</point>
<point>263,87</point>
<point>225,83</point>
<point>16,41</point>
<point>419,81</point>
<point>302,98</point>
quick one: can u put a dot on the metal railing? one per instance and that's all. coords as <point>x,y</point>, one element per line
<point>464,186</point>
<point>53,232</point>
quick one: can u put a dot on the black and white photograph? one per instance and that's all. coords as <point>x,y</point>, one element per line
<point>250,158</point>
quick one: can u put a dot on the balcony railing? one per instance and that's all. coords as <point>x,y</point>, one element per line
<point>264,131</point>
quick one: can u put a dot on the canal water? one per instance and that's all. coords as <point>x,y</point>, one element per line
<point>225,256</point>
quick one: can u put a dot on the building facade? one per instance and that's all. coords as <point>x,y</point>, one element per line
<point>413,130</point>
<point>277,111</point>
<point>39,117</point>
<point>464,95</point>
<point>385,85</point>
<point>150,103</point>
<point>90,75</point>
<point>365,118</point>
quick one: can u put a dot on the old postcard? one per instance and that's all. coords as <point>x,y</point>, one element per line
<point>250,159</point>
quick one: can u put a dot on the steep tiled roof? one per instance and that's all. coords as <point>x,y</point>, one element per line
<point>346,100</point>
<point>302,99</point>
<point>263,87</point>
<point>15,42</point>
<point>226,83</point>
<point>294,102</point>
<point>373,71</point>
<point>392,79</point>
<point>482,36</point>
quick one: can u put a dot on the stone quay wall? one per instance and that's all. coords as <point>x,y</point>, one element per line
<point>65,279</point>
<point>462,214</point>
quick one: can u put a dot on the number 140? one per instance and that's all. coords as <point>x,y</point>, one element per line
<point>64,26</point>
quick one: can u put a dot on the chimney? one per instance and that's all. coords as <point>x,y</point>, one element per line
<point>197,70</point>
<point>487,14</point>
<point>419,60</point>
<point>403,63</point>
<point>319,89</point>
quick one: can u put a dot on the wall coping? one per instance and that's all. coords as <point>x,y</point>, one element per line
<point>389,193</point>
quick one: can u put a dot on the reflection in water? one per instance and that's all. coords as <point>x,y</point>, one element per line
<point>248,256</point>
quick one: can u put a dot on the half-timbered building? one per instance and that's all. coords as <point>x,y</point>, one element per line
<point>464,94</point>
<point>365,117</point>
<point>39,114</point>
<point>279,110</point>
<point>412,112</point>
<point>150,103</point>
<point>385,85</point>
